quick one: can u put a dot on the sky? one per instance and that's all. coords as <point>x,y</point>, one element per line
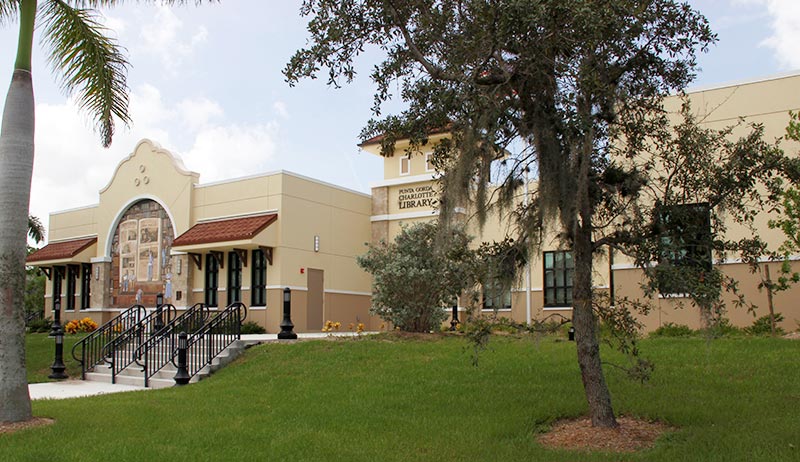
<point>206,84</point>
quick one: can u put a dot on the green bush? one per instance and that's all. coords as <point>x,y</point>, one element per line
<point>40,325</point>
<point>673,330</point>
<point>722,328</point>
<point>761,326</point>
<point>251,327</point>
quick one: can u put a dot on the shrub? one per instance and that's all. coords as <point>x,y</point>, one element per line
<point>252,327</point>
<point>40,325</point>
<point>761,326</point>
<point>722,328</point>
<point>673,330</point>
<point>83,325</point>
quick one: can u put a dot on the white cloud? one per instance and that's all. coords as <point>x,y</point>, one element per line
<point>197,113</point>
<point>280,108</point>
<point>785,24</point>
<point>71,166</point>
<point>224,152</point>
<point>164,37</point>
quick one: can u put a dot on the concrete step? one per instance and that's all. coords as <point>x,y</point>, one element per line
<point>134,375</point>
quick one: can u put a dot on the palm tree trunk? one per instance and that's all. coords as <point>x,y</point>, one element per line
<point>16,167</point>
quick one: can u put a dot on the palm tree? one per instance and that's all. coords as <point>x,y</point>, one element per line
<point>92,67</point>
<point>35,229</point>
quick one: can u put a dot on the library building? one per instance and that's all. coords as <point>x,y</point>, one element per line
<point>157,230</point>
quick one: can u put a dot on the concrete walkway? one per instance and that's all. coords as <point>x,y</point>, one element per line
<point>80,388</point>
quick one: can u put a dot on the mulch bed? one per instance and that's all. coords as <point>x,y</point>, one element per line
<point>11,427</point>
<point>631,435</point>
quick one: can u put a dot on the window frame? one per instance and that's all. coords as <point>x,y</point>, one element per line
<point>406,158</point>
<point>428,165</point>
<point>86,285</point>
<point>73,273</point>
<point>234,278</point>
<point>490,294</point>
<point>211,281</point>
<point>560,279</point>
<point>696,250</point>
<point>258,278</point>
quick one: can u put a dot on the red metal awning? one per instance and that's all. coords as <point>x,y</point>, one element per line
<point>62,250</point>
<point>227,230</point>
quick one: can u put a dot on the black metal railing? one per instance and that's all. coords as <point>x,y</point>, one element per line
<point>213,338</point>
<point>157,351</point>
<point>31,316</point>
<point>92,347</point>
<point>120,352</point>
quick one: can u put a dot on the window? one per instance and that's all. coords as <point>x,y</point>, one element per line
<point>429,162</point>
<point>558,272</point>
<point>258,292</point>
<point>72,277</point>
<point>405,165</point>
<point>55,274</point>
<point>86,285</point>
<point>684,247</point>
<point>496,296</point>
<point>234,278</point>
<point>212,280</point>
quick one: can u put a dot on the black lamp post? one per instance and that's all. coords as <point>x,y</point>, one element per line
<point>571,333</point>
<point>57,332</point>
<point>454,322</point>
<point>287,326</point>
<point>182,375</point>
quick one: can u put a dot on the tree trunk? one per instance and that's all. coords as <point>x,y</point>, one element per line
<point>583,317</point>
<point>16,167</point>
<point>586,336</point>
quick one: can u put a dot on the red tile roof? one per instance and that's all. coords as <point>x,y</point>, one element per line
<point>234,229</point>
<point>61,250</point>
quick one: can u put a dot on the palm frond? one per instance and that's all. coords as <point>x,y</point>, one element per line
<point>8,11</point>
<point>35,229</point>
<point>91,65</point>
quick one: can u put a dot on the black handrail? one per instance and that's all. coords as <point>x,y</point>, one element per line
<point>119,353</point>
<point>92,346</point>
<point>156,352</point>
<point>213,338</point>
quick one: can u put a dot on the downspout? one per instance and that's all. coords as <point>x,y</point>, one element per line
<point>527,268</point>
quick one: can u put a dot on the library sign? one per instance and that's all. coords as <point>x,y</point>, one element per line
<point>416,197</point>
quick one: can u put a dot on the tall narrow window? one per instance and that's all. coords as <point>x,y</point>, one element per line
<point>429,162</point>
<point>234,278</point>
<point>684,247</point>
<point>72,276</point>
<point>405,165</point>
<point>86,285</point>
<point>56,273</point>
<point>558,271</point>
<point>496,296</point>
<point>258,284</point>
<point>212,280</point>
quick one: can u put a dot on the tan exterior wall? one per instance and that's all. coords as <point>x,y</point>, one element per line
<point>308,211</point>
<point>766,102</point>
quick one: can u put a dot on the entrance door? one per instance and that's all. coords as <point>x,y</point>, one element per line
<point>316,286</point>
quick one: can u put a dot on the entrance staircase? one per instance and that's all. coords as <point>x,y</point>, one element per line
<point>141,348</point>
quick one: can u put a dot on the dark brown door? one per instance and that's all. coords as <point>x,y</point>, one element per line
<point>316,296</point>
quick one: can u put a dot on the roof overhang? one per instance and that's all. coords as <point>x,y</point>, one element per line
<point>65,252</point>
<point>229,234</point>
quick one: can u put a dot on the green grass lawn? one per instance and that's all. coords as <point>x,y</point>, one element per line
<point>379,400</point>
<point>40,353</point>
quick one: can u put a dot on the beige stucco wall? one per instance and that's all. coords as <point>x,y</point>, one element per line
<point>766,102</point>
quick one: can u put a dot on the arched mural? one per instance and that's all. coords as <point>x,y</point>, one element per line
<point>141,265</point>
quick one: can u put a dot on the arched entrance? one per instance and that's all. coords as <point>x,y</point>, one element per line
<point>141,265</point>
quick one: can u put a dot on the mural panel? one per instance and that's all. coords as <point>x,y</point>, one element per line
<point>141,266</point>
